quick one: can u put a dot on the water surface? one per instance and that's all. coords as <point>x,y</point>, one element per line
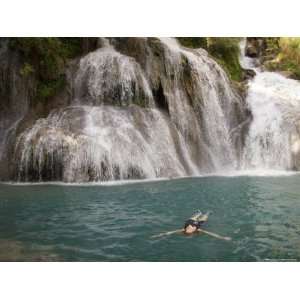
<point>115,223</point>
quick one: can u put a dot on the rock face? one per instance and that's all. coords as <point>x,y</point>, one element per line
<point>15,94</point>
<point>254,47</point>
<point>248,74</point>
<point>134,108</point>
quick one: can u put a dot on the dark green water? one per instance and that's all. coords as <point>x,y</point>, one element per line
<point>114,223</point>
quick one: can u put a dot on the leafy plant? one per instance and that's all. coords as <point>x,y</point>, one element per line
<point>26,70</point>
<point>193,42</point>
<point>227,52</point>
<point>283,54</point>
<point>46,58</point>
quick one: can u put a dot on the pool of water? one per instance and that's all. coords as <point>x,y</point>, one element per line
<point>115,222</point>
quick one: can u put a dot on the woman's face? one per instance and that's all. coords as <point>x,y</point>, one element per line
<point>190,229</point>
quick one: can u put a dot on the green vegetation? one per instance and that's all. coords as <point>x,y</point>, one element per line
<point>283,54</point>
<point>26,70</point>
<point>224,50</point>
<point>271,46</point>
<point>47,89</point>
<point>46,59</point>
<point>193,42</point>
<point>279,54</point>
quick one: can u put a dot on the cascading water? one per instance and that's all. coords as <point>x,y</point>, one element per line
<point>106,75</point>
<point>171,115</point>
<point>275,105</point>
<point>217,100</point>
<point>81,143</point>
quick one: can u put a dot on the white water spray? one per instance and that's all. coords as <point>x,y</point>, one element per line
<point>174,119</point>
<point>217,101</point>
<point>275,105</point>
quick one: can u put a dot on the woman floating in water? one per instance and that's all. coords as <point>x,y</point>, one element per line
<point>193,225</point>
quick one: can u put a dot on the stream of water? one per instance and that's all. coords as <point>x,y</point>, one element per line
<point>274,102</point>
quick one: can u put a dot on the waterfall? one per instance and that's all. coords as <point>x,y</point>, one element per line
<point>246,62</point>
<point>106,75</point>
<point>149,108</point>
<point>212,86</point>
<point>275,105</point>
<point>169,111</point>
<point>83,143</point>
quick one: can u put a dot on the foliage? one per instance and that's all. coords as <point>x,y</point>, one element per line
<point>193,42</point>
<point>46,58</point>
<point>225,50</point>
<point>26,70</point>
<point>47,89</point>
<point>283,54</point>
<point>271,46</point>
<point>290,48</point>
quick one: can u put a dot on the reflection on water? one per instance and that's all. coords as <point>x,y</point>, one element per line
<point>115,223</point>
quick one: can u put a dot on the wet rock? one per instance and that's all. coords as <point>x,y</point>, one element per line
<point>248,74</point>
<point>254,47</point>
<point>251,51</point>
<point>15,94</point>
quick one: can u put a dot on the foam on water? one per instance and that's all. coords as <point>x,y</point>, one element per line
<point>238,173</point>
<point>256,173</point>
<point>90,183</point>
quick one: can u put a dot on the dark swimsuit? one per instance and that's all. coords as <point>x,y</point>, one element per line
<point>193,223</point>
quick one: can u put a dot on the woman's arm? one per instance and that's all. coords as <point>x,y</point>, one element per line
<point>226,238</point>
<point>167,233</point>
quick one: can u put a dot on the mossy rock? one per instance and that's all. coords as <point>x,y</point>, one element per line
<point>193,42</point>
<point>226,51</point>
